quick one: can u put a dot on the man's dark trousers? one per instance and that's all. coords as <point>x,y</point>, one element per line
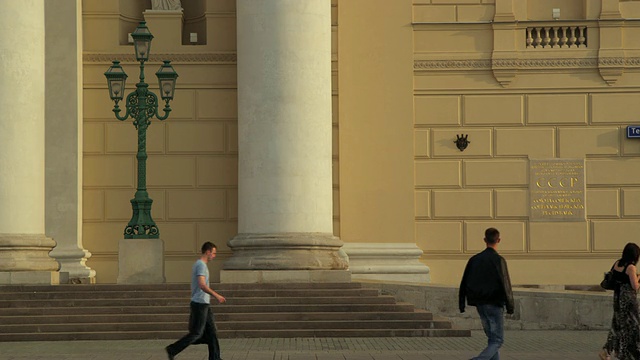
<point>202,330</point>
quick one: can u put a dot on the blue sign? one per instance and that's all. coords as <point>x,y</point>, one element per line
<point>633,132</point>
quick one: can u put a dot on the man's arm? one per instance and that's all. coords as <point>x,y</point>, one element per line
<point>506,284</point>
<point>462,293</point>
<point>205,287</point>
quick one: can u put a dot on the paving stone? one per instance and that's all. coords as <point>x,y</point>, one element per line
<point>386,357</point>
<point>302,356</point>
<point>519,345</point>
<point>329,356</point>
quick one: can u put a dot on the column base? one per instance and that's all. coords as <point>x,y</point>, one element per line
<point>27,252</point>
<point>286,251</point>
<point>29,278</point>
<point>73,268</point>
<point>284,276</point>
<point>397,262</point>
<point>141,261</point>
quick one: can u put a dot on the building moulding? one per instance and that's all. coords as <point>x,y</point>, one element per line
<point>398,262</point>
<point>218,57</point>
<point>526,64</point>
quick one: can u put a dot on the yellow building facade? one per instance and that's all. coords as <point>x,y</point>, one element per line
<point>523,80</point>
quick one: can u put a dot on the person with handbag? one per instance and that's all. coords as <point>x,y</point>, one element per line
<point>624,336</point>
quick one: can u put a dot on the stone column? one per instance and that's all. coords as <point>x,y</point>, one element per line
<point>285,230</point>
<point>63,145</point>
<point>24,248</point>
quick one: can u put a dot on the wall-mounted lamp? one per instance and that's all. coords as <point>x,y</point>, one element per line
<point>130,38</point>
<point>193,38</point>
<point>555,13</point>
<point>462,142</point>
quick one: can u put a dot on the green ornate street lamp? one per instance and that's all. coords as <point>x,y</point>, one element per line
<point>141,105</point>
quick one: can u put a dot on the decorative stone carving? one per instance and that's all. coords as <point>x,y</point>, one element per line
<point>610,66</point>
<point>611,74</point>
<point>451,64</point>
<point>431,65</point>
<point>211,58</point>
<point>166,5</point>
<point>504,70</point>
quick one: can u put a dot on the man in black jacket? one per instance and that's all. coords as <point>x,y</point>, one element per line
<point>486,285</point>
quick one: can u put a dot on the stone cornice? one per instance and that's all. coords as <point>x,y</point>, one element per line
<point>451,64</point>
<point>211,58</point>
<point>485,64</point>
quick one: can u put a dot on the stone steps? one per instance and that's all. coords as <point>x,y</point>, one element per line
<point>184,309</point>
<point>184,287</point>
<point>114,312</point>
<point>176,301</point>
<point>180,294</point>
<point>227,325</point>
<point>182,317</point>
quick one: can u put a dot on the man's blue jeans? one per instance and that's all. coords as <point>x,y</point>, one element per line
<point>492,318</point>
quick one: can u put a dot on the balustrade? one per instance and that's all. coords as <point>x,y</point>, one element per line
<point>554,37</point>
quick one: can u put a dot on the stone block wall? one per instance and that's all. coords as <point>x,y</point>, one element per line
<point>475,74</point>
<point>535,309</point>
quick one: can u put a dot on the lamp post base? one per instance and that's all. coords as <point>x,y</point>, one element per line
<point>141,261</point>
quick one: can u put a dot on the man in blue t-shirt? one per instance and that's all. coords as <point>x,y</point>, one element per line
<point>202,329</point>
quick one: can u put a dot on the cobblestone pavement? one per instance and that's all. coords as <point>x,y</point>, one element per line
<point>519,345</point>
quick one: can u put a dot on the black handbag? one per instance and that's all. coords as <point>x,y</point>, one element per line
<point>608,283</point>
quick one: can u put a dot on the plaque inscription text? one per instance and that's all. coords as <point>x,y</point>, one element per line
<point>556,190</point>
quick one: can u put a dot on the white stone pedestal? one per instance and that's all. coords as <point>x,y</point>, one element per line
<point>387,262</point>
<point>165,25</point>
<point>284,276</point>
<point>141,261</point>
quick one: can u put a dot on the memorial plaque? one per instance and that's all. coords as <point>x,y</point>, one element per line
<point>557,190</point>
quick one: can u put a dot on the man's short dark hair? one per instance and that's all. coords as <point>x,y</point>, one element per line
<point>491,235</point>
<point>208,246</point>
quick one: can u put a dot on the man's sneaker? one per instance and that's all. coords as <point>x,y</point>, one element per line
<point>171,357</point>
